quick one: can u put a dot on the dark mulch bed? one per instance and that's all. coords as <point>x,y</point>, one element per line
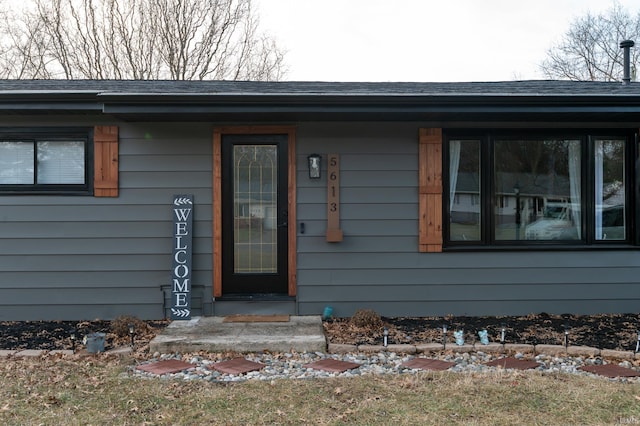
<point>619,332</point>
<point>56,335</point>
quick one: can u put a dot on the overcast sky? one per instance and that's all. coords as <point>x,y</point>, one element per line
<point>421,40</point>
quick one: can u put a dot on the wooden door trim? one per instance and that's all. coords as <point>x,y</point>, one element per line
<point>218,132</point>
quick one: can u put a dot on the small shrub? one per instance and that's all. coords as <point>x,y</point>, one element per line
<point>366,318</point>
<point>120,325</point>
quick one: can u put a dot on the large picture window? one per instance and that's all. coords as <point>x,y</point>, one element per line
<point>561,188</point>
<point>53,160</point>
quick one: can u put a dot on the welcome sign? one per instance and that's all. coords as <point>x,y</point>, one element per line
<point>182,253</point>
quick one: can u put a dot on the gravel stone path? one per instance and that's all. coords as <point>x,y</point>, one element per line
<point>292,365</point>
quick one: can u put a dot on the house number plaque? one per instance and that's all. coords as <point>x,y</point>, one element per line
<point>334,233</point>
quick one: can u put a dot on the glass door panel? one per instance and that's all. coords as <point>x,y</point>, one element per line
<point>254,215</point>
<point>255,179</point>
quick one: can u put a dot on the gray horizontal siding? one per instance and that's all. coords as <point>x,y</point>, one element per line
<point>98,213</point>
<point>363,195</point>
<point>93,246</point>
<point>465,261</point>
<point>166,180</point>
<point>459,278</point>
<point>474,292</point>
<point>96,263</point>
<point>69,229</point>
<point>85,257</point>
<point>132,196</point>
<point>474,307</point>
<point>89,296</point>
<point>315,229</point>
<point>378,266</point>
<point>73,310</point>
<point>351,211</point>
<point>162,163</point>
<point>79,279</point>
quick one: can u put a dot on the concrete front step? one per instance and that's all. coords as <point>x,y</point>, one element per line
<point>212,334</point>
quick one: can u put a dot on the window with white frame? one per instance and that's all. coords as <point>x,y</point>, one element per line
<point>44,160</point>
<point>560,187</point>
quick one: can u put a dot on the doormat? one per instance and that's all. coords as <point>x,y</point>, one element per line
<point>513,363</point>
<point>610,370</point>
<point>237,366</point>
<point>165,367</point>
<point>256,318</point>
<point>332,365</point>
<point>428,364</point>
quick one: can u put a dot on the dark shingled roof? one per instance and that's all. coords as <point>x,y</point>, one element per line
<point>166,87</point>
<point>567,101</point>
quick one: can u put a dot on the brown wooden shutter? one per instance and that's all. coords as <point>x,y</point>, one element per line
<point>430,187</point>
<point>105,153</point>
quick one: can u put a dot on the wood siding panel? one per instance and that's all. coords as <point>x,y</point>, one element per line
<point>95,247</point>
<point>111,255</point>
<point>430,189</point>
<point>378,265</point>
<point>105,152</point>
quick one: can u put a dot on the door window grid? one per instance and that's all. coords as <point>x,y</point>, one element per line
<point>255,209</point>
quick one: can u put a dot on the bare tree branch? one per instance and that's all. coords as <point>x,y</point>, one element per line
<point>137,39</point>
<point>590,49</point>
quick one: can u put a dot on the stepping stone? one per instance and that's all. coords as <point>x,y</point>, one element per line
<point>512,363</point>
<point>332,365</point>
<point>237,366</point>
<point>610,370</point>
<point>165,367</point>
<point>428,364</point>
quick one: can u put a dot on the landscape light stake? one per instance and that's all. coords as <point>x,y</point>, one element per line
<point>503,331</point>
<point>385,339</point>
<point>132,332</point>
<point>484,337</point>
<point>566,336</point>
<point>444,336</point>
<point>637,345</point>
<point>459,336</point>
<point>72,336</point>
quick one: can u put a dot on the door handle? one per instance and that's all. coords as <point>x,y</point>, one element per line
<point>285,220</point>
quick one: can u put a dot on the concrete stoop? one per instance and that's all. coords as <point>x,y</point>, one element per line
<point>212,334</point>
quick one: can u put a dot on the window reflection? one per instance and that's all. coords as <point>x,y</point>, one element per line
<point>609,190</point>
<point>464,195</point>
<point>538,183</point>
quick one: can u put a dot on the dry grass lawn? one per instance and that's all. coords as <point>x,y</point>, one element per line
<point>97,391</point>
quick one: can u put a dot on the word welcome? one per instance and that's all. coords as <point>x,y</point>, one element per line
<point>182,254</point>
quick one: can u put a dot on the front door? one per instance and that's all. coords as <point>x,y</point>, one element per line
<point>254,215</point>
